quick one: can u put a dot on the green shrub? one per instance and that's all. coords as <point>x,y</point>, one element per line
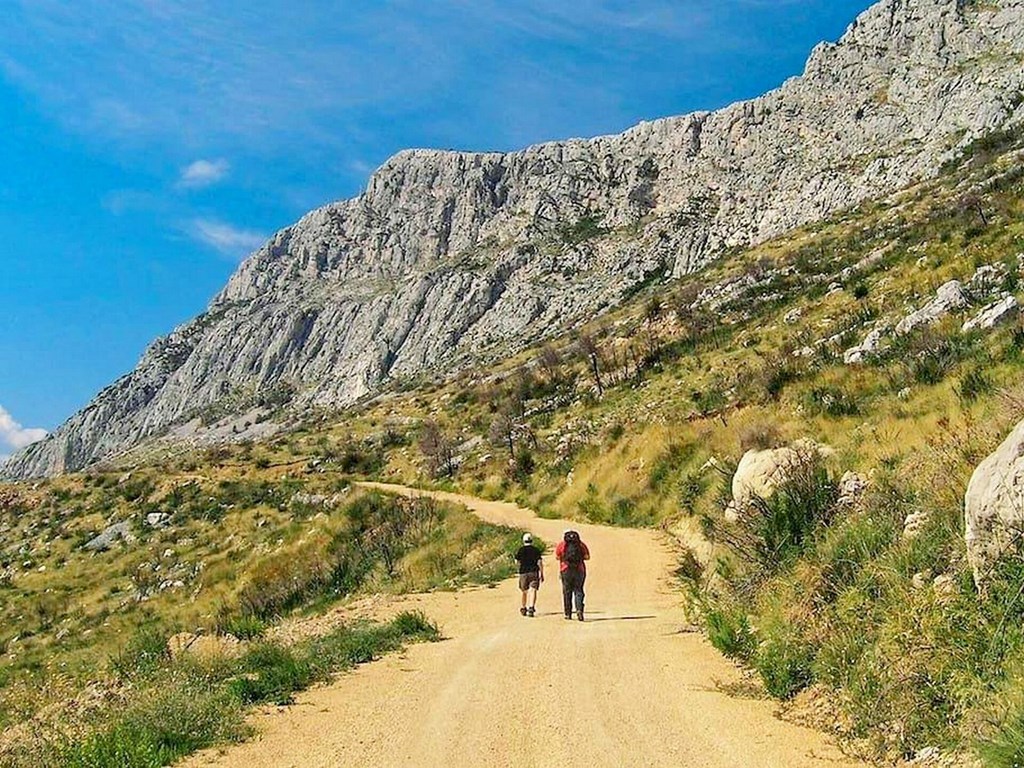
<point>271,672</point>
<point>729,631</point>
<point>145,652</point>
<point>773,530</point>
<point>244,627</point>
<point>973,385</point>
<point>1005,747</point>
<point>784,664</point>
<point>160,729</point>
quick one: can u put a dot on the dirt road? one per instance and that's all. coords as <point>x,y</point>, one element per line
<point>625,688</point>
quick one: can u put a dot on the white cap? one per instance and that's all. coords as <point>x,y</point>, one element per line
<point>527,538</point>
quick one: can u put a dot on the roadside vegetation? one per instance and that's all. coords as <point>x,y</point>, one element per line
<point>162,708</point>
<point>240,551</point>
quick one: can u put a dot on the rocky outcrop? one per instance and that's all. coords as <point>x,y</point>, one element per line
<point>950,297</point>
<point>996,313</point>
<point>871,344</point>
<point>450,257</point>
<point>994,505</point>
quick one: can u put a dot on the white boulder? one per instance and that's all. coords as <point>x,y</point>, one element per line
<point>994,505</point>
<point>948,298</point>
<point>992,315</point>
<point>760,473</point>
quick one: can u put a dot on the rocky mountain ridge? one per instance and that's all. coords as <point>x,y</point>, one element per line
<point>448,256</point>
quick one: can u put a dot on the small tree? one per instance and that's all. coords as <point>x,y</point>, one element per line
<point>551,362</point>
<point>503,433</point>
<point>438,448</point>
<point>589,348</point>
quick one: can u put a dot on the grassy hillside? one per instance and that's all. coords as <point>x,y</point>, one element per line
<point>638,419</point>
<point>219,549</point>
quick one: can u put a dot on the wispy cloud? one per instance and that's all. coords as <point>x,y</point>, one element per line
<point>13,435</point>
<point>226,238</point>
<point>203,173</point>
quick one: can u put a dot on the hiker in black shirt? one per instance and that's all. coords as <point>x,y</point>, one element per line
<point>531,574</point>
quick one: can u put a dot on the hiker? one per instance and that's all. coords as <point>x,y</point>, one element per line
<point>531,574</point>
<point>572,555</point>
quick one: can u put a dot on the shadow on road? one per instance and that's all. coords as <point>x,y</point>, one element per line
<point>591,619</point>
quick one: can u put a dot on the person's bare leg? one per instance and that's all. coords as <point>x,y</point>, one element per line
<point>522,609</point>
<point>532,603</point>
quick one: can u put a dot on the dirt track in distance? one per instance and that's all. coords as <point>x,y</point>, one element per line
<point>624,688</point>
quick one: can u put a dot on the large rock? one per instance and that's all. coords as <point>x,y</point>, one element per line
<point>994,314</point>
<point>760,472</point>
<point>994,505</point>
<point>449,258</point>
<point>110,536</point>
<point>950,297</point>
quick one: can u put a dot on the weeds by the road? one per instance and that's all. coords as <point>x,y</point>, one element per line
<point>173,707</point>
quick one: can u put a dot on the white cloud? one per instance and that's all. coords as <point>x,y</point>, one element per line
<point>226,238</point>
<point>13,435</point>
<point>203,173</point>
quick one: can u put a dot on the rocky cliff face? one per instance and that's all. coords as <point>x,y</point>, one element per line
<point>448,256</point>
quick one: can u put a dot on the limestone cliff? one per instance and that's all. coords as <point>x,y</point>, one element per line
<point>449,256</point>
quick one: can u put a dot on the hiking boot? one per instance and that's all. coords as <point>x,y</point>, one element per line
<point>580,615</point>
<point>522,611</point>
<point>530,611</point>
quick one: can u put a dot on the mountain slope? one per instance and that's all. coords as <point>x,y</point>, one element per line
<point>449,256</point>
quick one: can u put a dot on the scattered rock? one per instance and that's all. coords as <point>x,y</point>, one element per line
<point>992,315</point>
<point>948,298</point>
<point>851,489</point>
<point>994,504</point>
<point>945,587</point>
<point>110,536</point>
<point>157,519</point>
<point>914,523</point>
<point>872,342</point>
<point>986,280</point>
<point>793,316</point>
<point>921,580</point>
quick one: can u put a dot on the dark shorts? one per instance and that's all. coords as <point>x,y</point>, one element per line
<point>529,581</point>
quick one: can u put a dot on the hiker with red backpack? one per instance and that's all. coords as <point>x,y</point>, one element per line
<point>572,555</point>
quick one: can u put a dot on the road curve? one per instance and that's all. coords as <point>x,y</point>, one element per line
<point>625,688</point>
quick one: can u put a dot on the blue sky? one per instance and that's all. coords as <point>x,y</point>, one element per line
<point>148,145</point>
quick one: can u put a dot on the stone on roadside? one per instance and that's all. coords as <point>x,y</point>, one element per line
<point>994,505</point>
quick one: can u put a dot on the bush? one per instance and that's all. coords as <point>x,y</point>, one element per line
<point>1005,748</point>
<point>973,385</point>
<point>271,672</point>
<point>145,652</point>
<point>784,664</point>
<point>729,631</point>
<point>160,729</point>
